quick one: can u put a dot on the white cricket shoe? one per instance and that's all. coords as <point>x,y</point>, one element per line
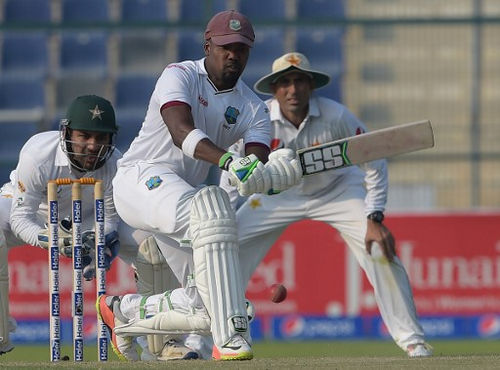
<point>174,350</point>
<point>237,348</point>
<point>108,308</point>
<point>419,350</point>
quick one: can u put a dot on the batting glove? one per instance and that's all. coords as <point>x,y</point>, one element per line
<point>248,175</point>
<point>283,169</point>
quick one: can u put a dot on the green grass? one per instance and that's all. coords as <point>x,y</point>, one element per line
<point>466,354</point>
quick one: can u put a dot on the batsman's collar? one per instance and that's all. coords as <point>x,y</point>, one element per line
<point>290,62</point>
<point>229,27</point>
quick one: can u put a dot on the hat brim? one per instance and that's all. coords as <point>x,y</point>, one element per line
<point>263,85</point>
<point>231,39</point>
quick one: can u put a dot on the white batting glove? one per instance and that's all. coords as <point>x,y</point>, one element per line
<point>248,175</point>
<point>284,170</point>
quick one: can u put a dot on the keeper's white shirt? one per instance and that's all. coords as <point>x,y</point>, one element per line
<point>225,116</point>
<point>41,159</point>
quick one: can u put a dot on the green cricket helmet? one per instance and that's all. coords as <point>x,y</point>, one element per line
<point>88,113</point>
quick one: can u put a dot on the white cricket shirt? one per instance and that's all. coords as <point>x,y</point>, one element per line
<point>225,116</point>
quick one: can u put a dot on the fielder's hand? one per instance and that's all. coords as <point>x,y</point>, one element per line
<point>377,232</point>
<point>65,240</point>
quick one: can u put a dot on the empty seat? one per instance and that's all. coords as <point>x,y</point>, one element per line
<point>14,135</point>
<point>129,123</point>
<point>320,44</point>
<point>21,99</point>
<point>144,51</point>
<point>27,10</point>
<point>320,9</point>
<point>190,45</point>
<point>24,54</point>
<point>200,11</point>
<point>85,11</point>
<point>257,10</point>
<point>84,52</point>
<point>70,86</point>
<point>269,45</point>
<point>144,10</point>
<point>134,92</point>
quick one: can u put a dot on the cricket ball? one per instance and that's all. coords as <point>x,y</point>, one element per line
<point>278,293</point>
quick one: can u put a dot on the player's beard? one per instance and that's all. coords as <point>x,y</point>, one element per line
<point>231,73</point>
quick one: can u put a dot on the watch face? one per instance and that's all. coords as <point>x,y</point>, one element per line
<point>376,216</point>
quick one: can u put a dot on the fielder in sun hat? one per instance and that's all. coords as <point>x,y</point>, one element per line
<point>290,62</point>
<point>228,27</point>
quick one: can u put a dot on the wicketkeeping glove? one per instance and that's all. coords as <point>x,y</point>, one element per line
<point>65,240</point>
<point>111,249</point>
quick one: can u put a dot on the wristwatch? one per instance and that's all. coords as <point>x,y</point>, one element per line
<point>377,216</point>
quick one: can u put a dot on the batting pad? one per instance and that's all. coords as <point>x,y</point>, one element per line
<point>153,276</point>
<point>167,323</point>
<point>4,295</point>
<point>217,268</point>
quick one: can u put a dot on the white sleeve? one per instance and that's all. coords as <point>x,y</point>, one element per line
<point>239,149</point>
<point>29,192</point>
<point>175,84</point>
<point>376,175</point>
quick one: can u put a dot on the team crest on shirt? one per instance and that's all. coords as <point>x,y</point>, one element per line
<point>231,115</point>
<point>153,182</point>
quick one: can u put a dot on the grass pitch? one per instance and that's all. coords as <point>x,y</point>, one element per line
<point>466,354</point>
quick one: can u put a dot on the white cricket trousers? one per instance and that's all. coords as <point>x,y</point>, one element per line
<point>262,219</point>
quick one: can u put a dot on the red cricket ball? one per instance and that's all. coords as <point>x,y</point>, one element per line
<point>278,293</point>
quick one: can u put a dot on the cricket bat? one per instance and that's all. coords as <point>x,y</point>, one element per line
<point>366,147</point>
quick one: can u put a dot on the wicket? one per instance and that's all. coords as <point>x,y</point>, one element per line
<point>77,294</point>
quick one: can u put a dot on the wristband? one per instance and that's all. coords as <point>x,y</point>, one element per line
<point>225,160</point>
<point>191,140</point>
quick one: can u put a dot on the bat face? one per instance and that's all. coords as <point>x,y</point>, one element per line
<point>366,147</point>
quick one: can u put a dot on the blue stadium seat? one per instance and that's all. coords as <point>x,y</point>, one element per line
<point>85,11</point>
<point>27,10</point>
<point>134,92</point>
<point>252,75</point>
<point>143,52</point>
<point>320,9</point>
<point>144,10</point>
<point>264,10</point>
<point>192,11</point>
<point>129,123</point>
<point>269,45</point>
<point>6,168</point>
<point>70,86</point>
<point>190,45</point>
<point>24,54</point>
<point>21,93</point>
<point>14,135</point>
<point>84,52</point>
<point>323,47</point>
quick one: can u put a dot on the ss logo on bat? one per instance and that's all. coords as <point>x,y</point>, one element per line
<point>322,159</point>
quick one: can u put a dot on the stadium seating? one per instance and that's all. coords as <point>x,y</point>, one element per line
<point>310,9</point>
<point>269,45</point>
<point>87,11</point>
<point>84,52</point>
<point>263,10</point>
<point>142,51</point>
<point>27,11</point>
<point>14,135</point>
<point>200,11</point>
<point>144,10</point>
<point>70,86</point>
<point>21,99</point>
<point>24,54</point>
<point>133,92</point>
<point>189,45</point>
<point>129,123</point>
